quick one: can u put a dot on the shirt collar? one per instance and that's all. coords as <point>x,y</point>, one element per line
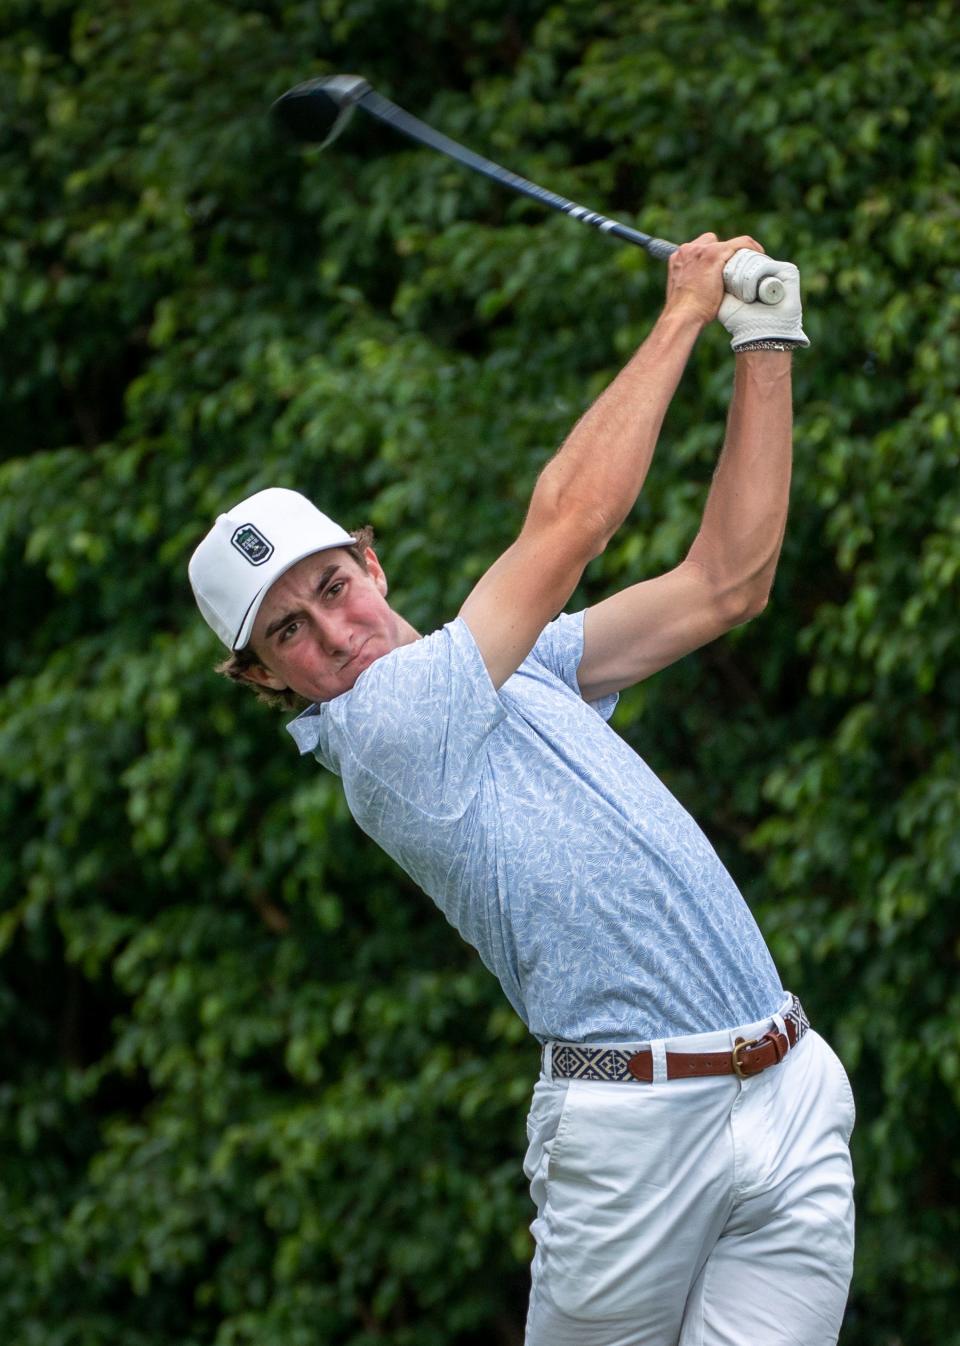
<point>305,730</point>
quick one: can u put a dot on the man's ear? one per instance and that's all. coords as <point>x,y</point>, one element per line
<point>262,677</point>
<point>375,570</point>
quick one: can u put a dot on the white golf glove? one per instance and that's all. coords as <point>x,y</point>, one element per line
<point>745,316</point>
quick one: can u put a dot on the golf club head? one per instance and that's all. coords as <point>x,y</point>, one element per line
<point>318,109</point>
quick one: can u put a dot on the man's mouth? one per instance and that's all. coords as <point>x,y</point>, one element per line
<point>357,652</point>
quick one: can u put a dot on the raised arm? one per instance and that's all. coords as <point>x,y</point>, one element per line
<point>727,574</point>
<point>586,491</point>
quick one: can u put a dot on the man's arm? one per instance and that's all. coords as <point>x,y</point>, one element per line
<point>586,491</point>
<point>728,572</point>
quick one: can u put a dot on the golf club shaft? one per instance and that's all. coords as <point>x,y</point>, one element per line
<point>385,111</point>
<point>317,110</point>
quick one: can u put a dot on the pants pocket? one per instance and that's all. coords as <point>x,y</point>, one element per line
<point>845,1100</point>
<point>600,1192</point>
<point>545,1125</point>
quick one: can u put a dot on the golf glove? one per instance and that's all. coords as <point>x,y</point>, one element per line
<point>747,318</point>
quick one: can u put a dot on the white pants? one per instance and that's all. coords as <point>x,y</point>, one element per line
<point>701,1212</point>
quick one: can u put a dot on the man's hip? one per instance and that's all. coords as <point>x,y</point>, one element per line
<point>643,1186</point>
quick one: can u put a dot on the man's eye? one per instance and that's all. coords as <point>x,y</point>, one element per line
<point>288,631</point>
<point>335,588</point>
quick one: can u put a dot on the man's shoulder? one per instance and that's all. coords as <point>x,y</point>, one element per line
<point>419,700</point>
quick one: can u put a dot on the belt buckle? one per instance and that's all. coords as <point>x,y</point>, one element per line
<point>739,1046</point>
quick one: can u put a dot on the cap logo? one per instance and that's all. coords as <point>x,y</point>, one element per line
<point>252,544</point>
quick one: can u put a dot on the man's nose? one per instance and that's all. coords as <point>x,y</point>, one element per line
<point>335,632</point>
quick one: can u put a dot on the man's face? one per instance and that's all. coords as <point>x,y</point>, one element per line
<point>322,623</point>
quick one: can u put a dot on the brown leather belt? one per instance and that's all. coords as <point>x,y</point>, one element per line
<point>747,1057</point>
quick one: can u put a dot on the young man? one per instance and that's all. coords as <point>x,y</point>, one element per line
<point>689,1133</point>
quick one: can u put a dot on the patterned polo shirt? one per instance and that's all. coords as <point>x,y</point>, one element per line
<point>549,844</point>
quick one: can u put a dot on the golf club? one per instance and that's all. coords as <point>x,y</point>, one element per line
<point>318,110</point>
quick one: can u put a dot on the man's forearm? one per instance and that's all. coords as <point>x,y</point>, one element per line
<point>600,468</point>
<point>743,524</point>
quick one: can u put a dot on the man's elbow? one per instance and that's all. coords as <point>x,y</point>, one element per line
<point>564,510</point>
<point>757,604</point>
<point>742,605</point>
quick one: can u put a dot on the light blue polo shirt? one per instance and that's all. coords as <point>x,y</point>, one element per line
<point>586,888</point>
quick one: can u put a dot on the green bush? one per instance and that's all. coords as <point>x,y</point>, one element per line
<point>254,1090</point>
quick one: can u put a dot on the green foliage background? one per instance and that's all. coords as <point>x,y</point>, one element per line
<point>252,1088</point>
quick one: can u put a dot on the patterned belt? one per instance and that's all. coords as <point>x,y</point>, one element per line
<point>747,1057</point>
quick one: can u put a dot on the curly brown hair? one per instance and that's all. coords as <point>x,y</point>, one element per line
<point>235,667</point>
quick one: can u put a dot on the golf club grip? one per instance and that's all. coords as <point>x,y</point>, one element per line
<point>415,129</point>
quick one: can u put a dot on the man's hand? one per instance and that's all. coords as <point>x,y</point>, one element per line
<point>695,275</point>
<point>753,321</point>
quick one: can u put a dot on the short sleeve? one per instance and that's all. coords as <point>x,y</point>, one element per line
<point>415,722</point>
<point>560,649</point>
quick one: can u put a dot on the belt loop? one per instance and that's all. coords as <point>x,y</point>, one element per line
<point>781,1026</point>
<point>547,1062</point>
<point>658,1051</point>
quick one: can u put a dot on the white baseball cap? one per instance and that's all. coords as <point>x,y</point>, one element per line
<point>248,549</point>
